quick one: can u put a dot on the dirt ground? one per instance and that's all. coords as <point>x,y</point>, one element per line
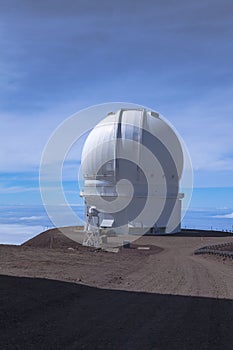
<point>168,267</point>
<point>162,298</point>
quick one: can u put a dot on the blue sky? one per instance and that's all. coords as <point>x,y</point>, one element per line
<point>60,56</point>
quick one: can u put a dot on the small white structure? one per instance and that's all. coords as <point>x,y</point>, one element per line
<point>132,162</point>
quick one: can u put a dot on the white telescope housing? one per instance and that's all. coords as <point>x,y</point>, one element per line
<point>132,162</point>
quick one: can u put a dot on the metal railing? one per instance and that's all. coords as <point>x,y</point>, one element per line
<point>216,250</point>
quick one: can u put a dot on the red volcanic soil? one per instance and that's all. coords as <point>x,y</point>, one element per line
<point>53,239</point>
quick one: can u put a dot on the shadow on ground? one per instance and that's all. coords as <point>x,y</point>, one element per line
<point>47,314</point>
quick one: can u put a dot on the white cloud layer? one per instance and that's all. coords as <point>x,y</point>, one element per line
<point>17,234</point>
<point>29,218</point>
<point>225,216</point>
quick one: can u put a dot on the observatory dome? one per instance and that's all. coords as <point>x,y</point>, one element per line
<point>133,124</point>
<point>132,162</point>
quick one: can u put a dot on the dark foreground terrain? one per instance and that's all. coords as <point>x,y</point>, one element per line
<point>48,314</point>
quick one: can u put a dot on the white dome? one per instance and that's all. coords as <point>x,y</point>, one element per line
<point>101,143</point>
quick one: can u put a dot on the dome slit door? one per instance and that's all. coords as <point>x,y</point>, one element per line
<point>117,143</point>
